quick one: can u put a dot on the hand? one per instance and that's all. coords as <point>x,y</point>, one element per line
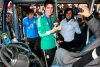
<point>25,39</point>
<point>86,11</point>
<point>59,41</point>
<point>56,28</point>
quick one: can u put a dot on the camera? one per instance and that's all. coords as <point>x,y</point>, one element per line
<point>77,10</point>
<point>56,22</point>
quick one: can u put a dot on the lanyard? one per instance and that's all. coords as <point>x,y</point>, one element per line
<point>29,22</point>
<point>49,22</point>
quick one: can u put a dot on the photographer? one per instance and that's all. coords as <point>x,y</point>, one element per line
<point>89,56</point>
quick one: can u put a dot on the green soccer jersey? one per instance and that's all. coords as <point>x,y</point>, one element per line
<point>47,41</point>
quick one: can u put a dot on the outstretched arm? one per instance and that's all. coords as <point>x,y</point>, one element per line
<point>93,23</point>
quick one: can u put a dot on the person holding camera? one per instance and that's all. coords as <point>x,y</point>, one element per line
<point>69,27</point>
<point>90,56</point>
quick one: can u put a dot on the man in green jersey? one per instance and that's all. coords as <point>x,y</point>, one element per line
<point>46,32</point>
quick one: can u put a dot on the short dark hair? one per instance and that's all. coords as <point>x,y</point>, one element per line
<point>48,2</point>
<point>30,11</point>
<point>68,9</point>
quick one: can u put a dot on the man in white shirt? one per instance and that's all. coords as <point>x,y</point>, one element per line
<point>69,27</point>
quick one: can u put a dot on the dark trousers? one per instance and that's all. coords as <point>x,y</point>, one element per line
<point>70,46</point>
<point>48,56</point>
<point>87,58</point>
<point>34,44</point>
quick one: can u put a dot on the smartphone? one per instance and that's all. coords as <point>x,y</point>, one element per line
<point>77,10</point>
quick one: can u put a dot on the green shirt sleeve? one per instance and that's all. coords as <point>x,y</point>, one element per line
<point>40,27</point>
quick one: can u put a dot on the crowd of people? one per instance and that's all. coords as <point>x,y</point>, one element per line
<point>39,31</point>
<point>91,54</point>
<point>40,34</point>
